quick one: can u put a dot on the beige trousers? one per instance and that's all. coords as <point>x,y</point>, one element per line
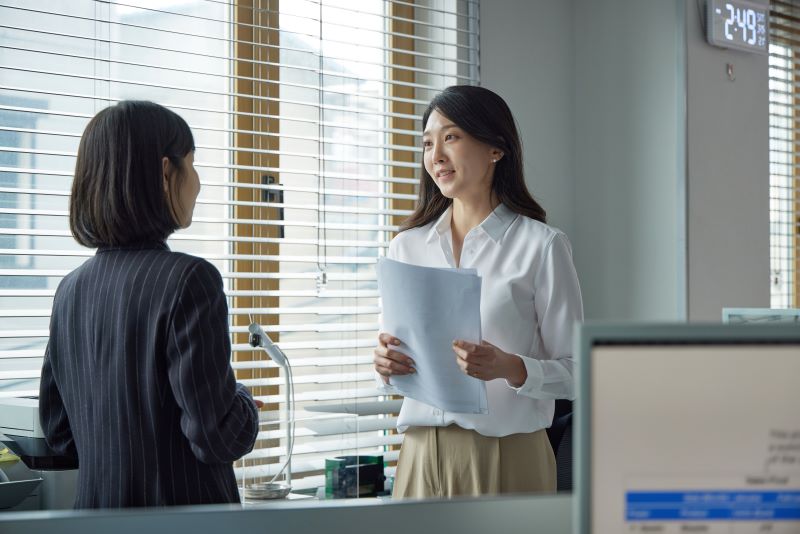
<point>451,461</point>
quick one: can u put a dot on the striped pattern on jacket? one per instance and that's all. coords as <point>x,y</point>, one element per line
<point>137,381</point>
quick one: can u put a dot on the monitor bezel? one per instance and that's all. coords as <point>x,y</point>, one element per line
<point>588,335</point>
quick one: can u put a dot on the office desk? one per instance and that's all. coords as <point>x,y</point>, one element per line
<point>529,515</point>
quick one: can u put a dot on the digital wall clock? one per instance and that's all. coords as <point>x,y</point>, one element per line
<point>738,24</point>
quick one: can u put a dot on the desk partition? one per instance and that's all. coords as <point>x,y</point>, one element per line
<point>528,514</point>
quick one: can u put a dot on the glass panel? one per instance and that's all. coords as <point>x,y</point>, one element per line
<point>348,141</point>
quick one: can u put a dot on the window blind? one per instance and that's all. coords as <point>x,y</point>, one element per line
<point>784,153</point>
<point>306,120</point>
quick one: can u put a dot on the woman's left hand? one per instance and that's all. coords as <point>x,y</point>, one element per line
<point>487,362</point>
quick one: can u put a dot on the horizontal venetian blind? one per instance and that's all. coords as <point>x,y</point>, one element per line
<point>306,121</point>
<point>784,155</point>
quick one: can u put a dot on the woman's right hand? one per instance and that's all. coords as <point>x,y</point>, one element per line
<point>390,362</point>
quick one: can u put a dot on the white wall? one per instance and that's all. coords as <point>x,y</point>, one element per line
<point>526,52</point>
<point>629,174</point>
<point>594,87</point>
<point>640,149</point>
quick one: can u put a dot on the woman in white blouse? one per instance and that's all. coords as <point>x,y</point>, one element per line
<point>474,211</point>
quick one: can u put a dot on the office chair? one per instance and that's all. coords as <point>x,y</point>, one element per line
<point>560,435</point>
<point>564,457</point>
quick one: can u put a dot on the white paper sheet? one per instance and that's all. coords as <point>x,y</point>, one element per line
<point>426,309</point>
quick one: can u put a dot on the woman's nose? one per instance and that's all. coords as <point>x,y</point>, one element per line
<point>438,155</point>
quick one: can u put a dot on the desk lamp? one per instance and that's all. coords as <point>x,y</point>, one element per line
<point>259,338</point>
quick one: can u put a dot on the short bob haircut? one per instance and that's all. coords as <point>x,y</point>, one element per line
<point>118,194</point>
<point>486,117</point>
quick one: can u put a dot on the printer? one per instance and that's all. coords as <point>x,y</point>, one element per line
<point>21,433</point>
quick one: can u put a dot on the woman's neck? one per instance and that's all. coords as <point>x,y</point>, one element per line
<point>469,213</point>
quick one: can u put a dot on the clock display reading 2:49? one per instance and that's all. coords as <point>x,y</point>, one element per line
<point>738,24</point>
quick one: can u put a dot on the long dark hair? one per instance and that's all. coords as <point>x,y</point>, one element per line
<point>486,117</point>
<point>118,192</point>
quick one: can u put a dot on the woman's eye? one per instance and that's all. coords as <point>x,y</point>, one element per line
<point>448,137</point>
<point>427,144</point>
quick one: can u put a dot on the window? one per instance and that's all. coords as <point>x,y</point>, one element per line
<point>306,120</point>
<point>784,154</point>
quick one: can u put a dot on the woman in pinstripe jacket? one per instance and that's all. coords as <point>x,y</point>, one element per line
<point>136,382</point>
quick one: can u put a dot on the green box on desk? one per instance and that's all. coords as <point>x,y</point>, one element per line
<point>345,474</point>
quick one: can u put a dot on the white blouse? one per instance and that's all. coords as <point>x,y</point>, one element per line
<point>530,300</point>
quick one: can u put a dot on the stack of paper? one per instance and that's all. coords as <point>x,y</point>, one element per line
<point>427,309</point>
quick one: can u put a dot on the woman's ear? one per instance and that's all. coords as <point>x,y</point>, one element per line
<point>496,154</point>
<point>165,168</point>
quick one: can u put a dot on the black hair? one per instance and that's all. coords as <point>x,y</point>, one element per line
<point>118,193</point>
<point>486,117</point>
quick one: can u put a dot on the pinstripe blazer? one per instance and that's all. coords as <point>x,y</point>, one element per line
<point>137,383</point>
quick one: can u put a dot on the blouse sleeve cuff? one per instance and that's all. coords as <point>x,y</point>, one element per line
<point>535,379</point>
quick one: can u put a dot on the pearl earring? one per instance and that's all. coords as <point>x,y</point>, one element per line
<point>494,160</point>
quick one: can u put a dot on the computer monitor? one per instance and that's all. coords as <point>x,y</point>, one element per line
<point>688,428</point>
<point>761,315</point>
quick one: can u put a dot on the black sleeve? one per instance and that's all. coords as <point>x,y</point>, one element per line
<point>52,415</point>
<point>219,417</point>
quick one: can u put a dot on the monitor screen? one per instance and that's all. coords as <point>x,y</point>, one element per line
<point>694,437</point>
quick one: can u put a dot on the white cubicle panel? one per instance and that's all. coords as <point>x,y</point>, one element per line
<point>761,315</point>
